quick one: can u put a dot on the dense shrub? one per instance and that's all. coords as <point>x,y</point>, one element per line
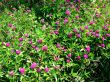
<point>61,41</point>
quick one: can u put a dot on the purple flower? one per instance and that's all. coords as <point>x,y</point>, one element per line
<point>20,39</point>
<point>33,65</point>
<point>7,44</point>
<point>11,73</point>
<point>67,12</point>
<point>22,71</point>
<point>85,56</point>
<point>18,52</point>
<point>44,48</point>
<point>46,69</point>
<point>88,48</point>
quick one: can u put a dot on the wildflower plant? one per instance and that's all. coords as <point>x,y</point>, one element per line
<point>66,42</point>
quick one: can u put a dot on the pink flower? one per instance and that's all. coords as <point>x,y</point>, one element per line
<point>97,31</point>
<point>56,58</point>
<point>78,35</point>
<point>3,43</point>
<point>64,50</point>
<point>77,17</point>
<point>91,30</point>
<point>56,32</point>
<point>81,29</point>
<point>88,34</point>
<point>93,33</point>
<point>22,71</point>
<point>46,69</point>
<point>78,0</point>
<point>20,44</point>
<point>58,45</point>
<point>88,48</point>
<point>67,12</point>
<point>30,42</point>
<point>85,56</point>
<point>69,55</point>
<point>36,48</point>
<point>103,45</point>
<point>39,41</point>
<point>10,25</point>
<point>18,52</point>
<point>75,30</point>
<point>70,35</point>
<point>68,60</point>
<point>78,57</point>
<point>26,35</point>
<point>11,73</point>
<point>14,9</point>
<point>65,20</point>
<point>86,27</point>
<point>108,35</point>
<point>33,65</point>
<point>97,35</point>
<point>44,48</point>
<point>42,21</point>
<point>38,70</point>
<point>91,23</point>
<point>57,22</point>
<point>68,1</point>
<point>103,38</point>
<point>7,44</point>
<point>28,11</point>
<point>20,39</point>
